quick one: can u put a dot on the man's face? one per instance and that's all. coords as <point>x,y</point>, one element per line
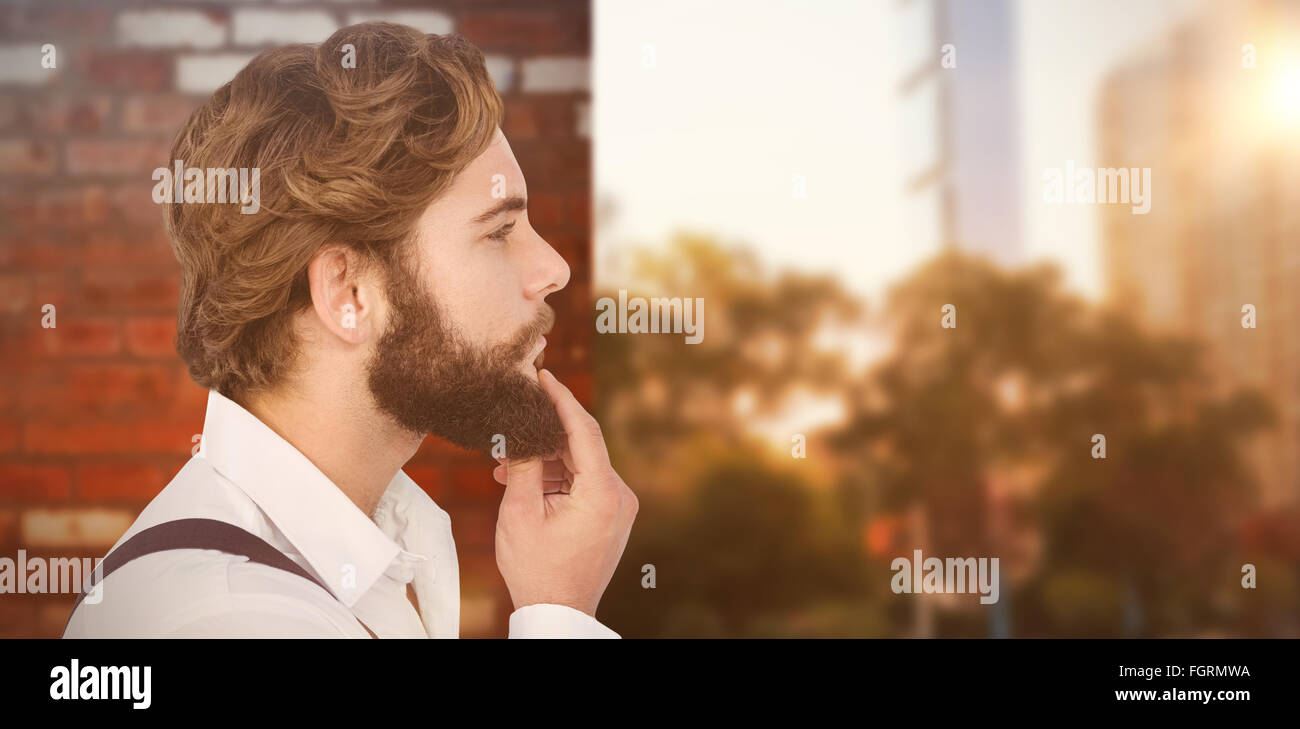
<point>463,341</point>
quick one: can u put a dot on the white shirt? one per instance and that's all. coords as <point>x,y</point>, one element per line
<point>247,475</point>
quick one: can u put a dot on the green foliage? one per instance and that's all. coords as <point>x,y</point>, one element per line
<point>750,549</point>
<point>1144,540</point>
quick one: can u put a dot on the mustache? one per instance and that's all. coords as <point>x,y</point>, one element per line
<point>522,343</point>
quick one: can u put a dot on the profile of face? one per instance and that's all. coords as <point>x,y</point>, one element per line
<point>459,354</point>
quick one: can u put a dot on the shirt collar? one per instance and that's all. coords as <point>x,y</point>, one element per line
<point>344,547</point>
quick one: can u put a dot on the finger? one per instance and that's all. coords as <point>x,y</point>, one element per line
<point>551,471</point>
<point>555,471</point>
<point>585,443</point>
<point>567,459</point>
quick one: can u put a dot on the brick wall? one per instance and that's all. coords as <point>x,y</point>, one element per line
<point>97,413</point>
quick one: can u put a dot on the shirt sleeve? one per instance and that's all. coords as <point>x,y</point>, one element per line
<point>545,620</point>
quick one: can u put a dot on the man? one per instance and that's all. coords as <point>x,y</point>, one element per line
<point>389,286</point>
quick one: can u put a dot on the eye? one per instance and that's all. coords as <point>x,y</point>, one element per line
<point>500,234</point>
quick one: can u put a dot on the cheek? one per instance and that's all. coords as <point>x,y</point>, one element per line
<point>478,295</point>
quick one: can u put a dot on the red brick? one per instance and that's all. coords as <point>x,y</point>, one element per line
<point>97,389</point>
<point>579,383</point>
<point>58,114</point>
<point>117,157</point>
<point>525,31</point>
<point>28,158</point>
<point>545,211</point>
<point>53,208</point>
<point>52,615</point>
<point>49,288</point>
<point>131,290</point>
<point>521,121</point>
<point>8,435</point>
<point>578,210</point>
<point>475,529</point>
<point>104,482</point>
<point>36,23</point>
<point>70,337</point>
<point>151,336</point>
<point>569,247</point>
<point>27,483</point>
<point>8,111</point>
<point>475,482</point>
<point>34,253</point>
<point>8,527</point>
<point>120,247</point>
<point>86,436</point>
<point>9,386</point>
<point>134,203</point>
<point>566,161</point>
<point>15,293</point>
<point>94,204</point>
<point>156,113</point>
<point>548,117</point>
<point>17,617</point>
<point>127,70</point>
<point>25,294</point>
<point>187,397</point>
<point>63,528</point>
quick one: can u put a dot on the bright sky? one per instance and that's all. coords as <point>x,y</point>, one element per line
<point>705,111</point>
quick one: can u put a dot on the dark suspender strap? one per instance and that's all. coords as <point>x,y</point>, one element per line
<point>200,534</point>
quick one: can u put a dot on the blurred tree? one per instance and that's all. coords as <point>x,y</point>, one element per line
<point>739,544</point>
<point>968,441</point>
<point>1015,393</point>
<point>658,395</point>
<point>751,550</point>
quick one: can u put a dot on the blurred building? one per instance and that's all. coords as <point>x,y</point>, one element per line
<point>1214,110</point>
<point>961,125</point>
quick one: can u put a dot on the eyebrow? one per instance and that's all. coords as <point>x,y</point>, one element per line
<point>513,202</point>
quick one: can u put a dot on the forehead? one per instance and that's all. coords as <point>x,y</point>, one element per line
<point>493,174</point>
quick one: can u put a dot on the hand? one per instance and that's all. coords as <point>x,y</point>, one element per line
<point>563,522</point>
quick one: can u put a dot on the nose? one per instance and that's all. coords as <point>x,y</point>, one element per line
<point>550,272</point>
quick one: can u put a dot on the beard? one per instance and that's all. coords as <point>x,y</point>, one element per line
<point>431,380</point>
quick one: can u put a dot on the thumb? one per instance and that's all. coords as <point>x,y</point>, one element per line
<point>524,481</point>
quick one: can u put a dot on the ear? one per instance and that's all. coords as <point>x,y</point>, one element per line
<point>344,296</point>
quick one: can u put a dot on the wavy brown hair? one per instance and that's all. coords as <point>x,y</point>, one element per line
<point>346,155</point>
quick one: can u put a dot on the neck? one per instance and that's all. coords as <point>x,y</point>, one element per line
<point>357,448</point>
